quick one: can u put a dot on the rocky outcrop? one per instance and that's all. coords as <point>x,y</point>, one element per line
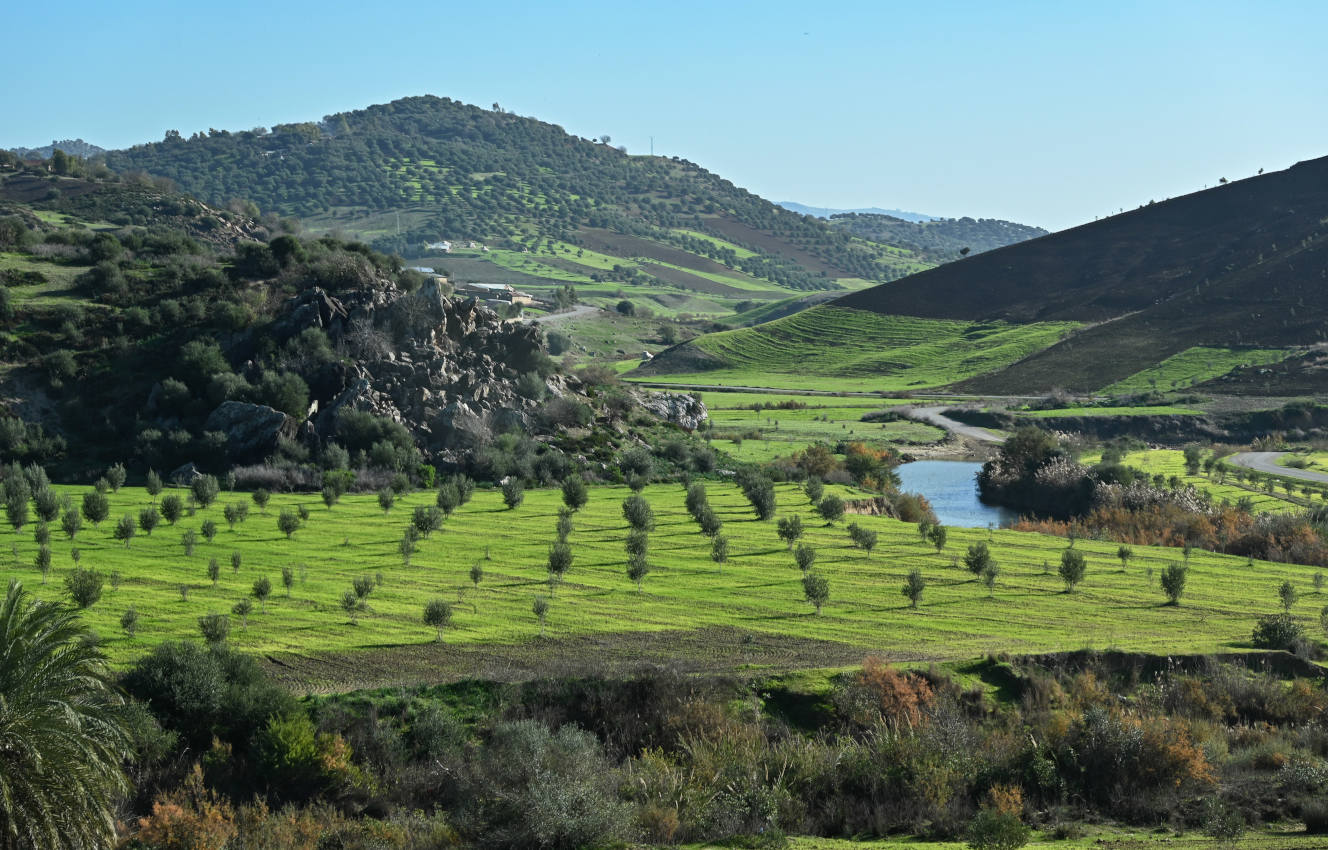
<point>685,411</point>
<point>251,430</point>
<point>445,368</point>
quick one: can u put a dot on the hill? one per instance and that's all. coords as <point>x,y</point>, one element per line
<point>1192,291</point>
<point>939,240</point>
<point>457,172</point>
<point>73,147</point>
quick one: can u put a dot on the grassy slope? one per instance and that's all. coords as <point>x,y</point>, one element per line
<point>824,420</point>
<point>837,348</point>
<point>758,591</point>
<point>1171,462</point>
<point>1194,366</point>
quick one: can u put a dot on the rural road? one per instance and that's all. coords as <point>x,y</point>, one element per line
<point>574,313</point>
<point>1266,462</point>
<point>932,415</point>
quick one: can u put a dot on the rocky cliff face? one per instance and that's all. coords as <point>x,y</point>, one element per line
<point>445,368</point>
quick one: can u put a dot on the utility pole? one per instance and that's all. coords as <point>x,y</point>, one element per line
<point>652,145</point>
<point>398,222</point>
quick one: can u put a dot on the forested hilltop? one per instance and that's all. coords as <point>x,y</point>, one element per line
<point>456,171</point>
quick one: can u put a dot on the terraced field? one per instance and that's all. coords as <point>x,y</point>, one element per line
<point>757,593</point>
<point>1194,366</point>
<point>835,348</point>
<point>753,435</point>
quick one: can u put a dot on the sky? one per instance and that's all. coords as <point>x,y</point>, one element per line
<point>1046,113</point>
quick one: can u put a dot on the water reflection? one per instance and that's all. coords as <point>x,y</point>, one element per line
<point>951,487</point>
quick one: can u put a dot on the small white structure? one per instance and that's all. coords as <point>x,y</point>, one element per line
<point>441,247</point>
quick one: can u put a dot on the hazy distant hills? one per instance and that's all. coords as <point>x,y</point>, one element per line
<point>827,212</point>
<point>73,147</point>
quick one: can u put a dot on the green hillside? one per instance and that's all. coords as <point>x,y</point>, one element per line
<point>939,240</point>
<point>424,169</point>
<point>835,348</point>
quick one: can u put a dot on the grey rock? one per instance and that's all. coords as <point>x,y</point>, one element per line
<point>251,430</point>
<point>685,411</point>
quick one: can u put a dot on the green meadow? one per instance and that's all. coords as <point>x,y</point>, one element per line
<point>1192,366</point>
<point>758,591</point>
<point>837,348</point>
<point>757,436</point>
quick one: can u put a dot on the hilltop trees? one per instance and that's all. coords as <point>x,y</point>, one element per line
<point>62,770</point>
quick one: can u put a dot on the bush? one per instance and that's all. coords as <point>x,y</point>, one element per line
<point>575,492</point>
<point>530,787</point>
<point>991,829</point>
<point>513,493</point>
<point>831,508</point>
<point>638,513</point>
<point>1277,631</point>
<point>84,587</point>
<point>215,627</point>
<point>1173,583</point>
<point>1072,568</point>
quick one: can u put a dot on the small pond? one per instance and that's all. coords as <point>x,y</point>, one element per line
<point>951,487</point>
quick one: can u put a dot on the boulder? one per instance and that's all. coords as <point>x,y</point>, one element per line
<point>685,411</point>
<point>251,430</point>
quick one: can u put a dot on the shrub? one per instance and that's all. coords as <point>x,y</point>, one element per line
<point>814,490</point>
<point>719,549</point>
<point>978,558</point>
<point>204,489</point>
<point>816,589</point>
<point>426,519</point>
<point>288,522</point>
<point>1173,583</point>
<point>437,614</point>
<point>637,568</point>
<point>449,497</point>
<point>215,627</point>
<point>536,788</point>
<point>513,493</point>
<point>709,521</point>
<point>115,476</point>
<point>575,492</point>
<point>96,507</point>
<point>991,829</point>
<point>261,497</point>
<point>790,529</point>
<point>638,513</point>
<point>124,529</point>
<point>831,508</point>
<point>84,587</point>
<point>1277,631</point>
<point>805,556</point>
<point>148,519</point>
<point>1072,568</point>
<point>937,534</point>
<point>913,587</point>
<point>172,508</point>
<point>560,561</point>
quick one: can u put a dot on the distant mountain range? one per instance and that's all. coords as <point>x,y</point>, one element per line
<point>73,147</point>
<point>826,212</point>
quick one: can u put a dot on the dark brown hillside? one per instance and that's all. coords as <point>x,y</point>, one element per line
<point>1241,264</point>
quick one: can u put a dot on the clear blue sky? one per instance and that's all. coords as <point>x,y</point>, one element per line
<point>1043,112</point>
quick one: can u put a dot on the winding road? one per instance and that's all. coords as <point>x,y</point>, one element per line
<point>932,416</point>
<point>576,312</point>
<point>1266,462</point>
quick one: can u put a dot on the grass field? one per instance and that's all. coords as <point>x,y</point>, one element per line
<point>825,419</point>
<point>836,348</point>
<point>758,592</point>
<point>1273,837</point>
<point>1194,366</point>
<point>1154,410</point>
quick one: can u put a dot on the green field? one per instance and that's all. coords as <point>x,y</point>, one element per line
<point>1154,410</point>
<point>825,419</point>
<point>1194,366</point>
<point>1274,837</point>
<point>758,591</point>
<point>836,348</point>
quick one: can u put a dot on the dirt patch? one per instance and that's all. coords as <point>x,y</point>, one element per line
<point>703,651</point>
<point>696,283</point>
<point>758,239</point>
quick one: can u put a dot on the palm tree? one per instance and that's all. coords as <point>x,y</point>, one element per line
<point>62,734</point>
